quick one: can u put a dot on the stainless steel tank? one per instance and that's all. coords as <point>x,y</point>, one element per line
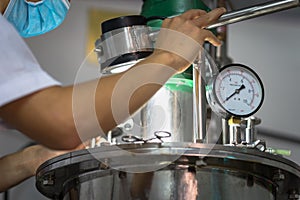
<point>169,171</point>
<point>170,110</point>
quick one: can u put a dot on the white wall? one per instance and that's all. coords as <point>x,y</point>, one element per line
<point>270,44</point>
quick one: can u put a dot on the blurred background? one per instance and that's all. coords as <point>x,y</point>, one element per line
<point>269,44</point>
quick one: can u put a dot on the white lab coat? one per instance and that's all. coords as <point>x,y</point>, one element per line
<point>20,73</point>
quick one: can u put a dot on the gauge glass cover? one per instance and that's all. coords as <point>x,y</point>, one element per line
<point>238,90</point>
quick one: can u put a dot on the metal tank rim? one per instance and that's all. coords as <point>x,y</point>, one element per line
<point>55,176</point>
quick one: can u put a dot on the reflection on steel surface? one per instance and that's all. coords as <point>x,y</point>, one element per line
<point>201,172</point>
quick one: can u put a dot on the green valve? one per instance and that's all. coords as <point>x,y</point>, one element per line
<point>169,8</point>
<point>180,84</point>
<point>282,152</point>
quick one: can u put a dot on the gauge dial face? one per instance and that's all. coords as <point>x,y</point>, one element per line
<point>239,90</point>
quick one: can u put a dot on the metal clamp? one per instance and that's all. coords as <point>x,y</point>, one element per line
<point>135,139</point>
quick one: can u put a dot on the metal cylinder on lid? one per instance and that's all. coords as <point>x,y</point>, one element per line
<point>125,41</point>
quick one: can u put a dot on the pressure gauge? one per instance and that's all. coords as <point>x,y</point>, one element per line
<point>236,91</point>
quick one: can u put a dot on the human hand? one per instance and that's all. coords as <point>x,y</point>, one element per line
<point>184,35</point>
<point>38,154</point>
<point>23,164</point>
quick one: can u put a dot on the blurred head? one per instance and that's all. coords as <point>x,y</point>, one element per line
<point>35,17</point>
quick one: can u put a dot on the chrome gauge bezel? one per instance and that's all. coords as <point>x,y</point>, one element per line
<point>218,106</point>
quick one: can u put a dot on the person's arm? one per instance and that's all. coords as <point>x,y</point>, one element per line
<point>62,117</point>
<point>23,164</point>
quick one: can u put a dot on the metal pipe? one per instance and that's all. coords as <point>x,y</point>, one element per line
<point>254,11</point>
<point>247,13</point>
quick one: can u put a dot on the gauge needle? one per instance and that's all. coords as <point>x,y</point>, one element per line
<point>237,91</point>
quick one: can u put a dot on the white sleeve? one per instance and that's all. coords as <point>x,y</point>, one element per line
<point>20,73</point>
